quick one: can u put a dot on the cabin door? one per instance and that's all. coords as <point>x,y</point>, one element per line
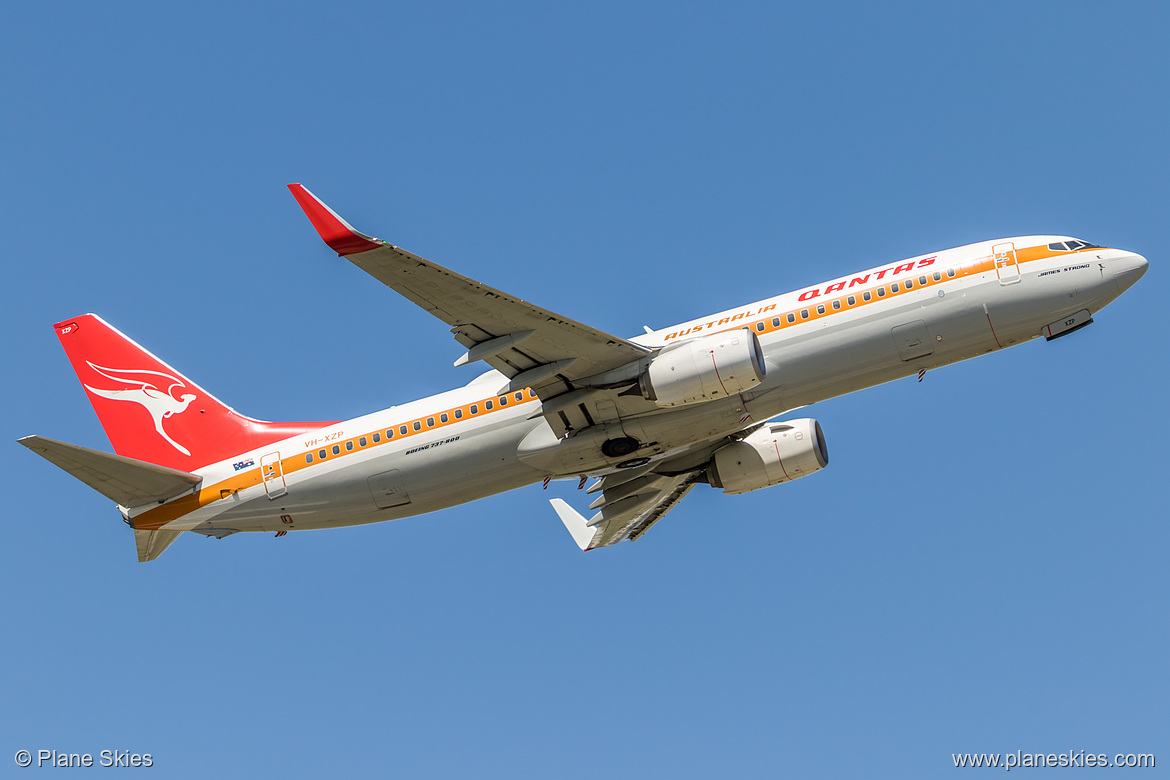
<point>1007,267</point>
<point>273,474</point>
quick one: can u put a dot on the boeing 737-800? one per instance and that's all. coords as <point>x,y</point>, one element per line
<point>649,417</point>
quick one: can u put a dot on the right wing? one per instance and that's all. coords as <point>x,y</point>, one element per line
<point>627,506</point>
<point>634,499</point>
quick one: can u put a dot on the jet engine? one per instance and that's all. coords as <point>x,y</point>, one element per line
<point>778,452</point>
<point>705,368</point>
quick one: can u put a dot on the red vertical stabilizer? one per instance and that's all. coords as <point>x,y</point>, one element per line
<point>153,413</point>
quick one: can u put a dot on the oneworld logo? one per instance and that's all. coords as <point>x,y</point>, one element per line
<point>145,388</point>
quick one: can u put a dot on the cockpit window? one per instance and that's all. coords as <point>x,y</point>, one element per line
<point>1072,246</point>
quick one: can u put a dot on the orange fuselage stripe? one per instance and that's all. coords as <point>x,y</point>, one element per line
<point>158,517</point>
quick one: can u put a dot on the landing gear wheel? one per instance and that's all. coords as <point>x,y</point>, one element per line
<point>619,447</point>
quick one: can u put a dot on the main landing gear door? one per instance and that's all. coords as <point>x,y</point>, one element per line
<point>273,475</point>
<point>1006,265</point>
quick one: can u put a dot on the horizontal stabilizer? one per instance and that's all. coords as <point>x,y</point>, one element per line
<point>152,543</point>
<point>125,481</point>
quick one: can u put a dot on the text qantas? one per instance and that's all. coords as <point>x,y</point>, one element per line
<point>809,295</point>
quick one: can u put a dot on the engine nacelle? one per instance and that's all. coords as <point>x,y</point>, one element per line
<point>703,369</point>
<point>778,452</point>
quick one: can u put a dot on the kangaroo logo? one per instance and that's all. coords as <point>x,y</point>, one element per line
<point>143,387</point>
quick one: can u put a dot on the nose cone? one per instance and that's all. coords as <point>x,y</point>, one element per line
<point>1127,269</point>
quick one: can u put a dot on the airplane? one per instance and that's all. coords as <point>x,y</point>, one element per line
<point>648,417</point>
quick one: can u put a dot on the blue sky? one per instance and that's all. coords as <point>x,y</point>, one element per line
<point>982,568</point>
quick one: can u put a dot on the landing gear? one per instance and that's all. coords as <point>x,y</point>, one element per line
<point>619,447</point>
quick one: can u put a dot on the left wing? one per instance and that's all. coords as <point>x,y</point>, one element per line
<point>531,346</point>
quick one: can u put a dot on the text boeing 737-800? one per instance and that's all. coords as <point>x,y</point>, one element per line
<point>650,417</point>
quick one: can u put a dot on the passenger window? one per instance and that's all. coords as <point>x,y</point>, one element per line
<point>775,322</point>
<point>760,327</point>
<point>336,449</point>
<point>791,318</point>
<point>804,314</point>
<point>417,425</point>
<point>865,296</point>
<point>881,292</point>
<point>837,304</point>
<point>378,437</point>
<point>852,300</point>
<point>475,409</point>
<point>321,454</point>
<point>922,280</point>
<point>430,422</point>
<point>487,405</point>
<point>458,414</point>
<point>443,417</point>
<point>519,396</point>
<point>503,400</point>
<point>937,276</point>
<point>950,273</point>
<point>349,446</point>
<point>820,308</point>
<point>362,441</point>
<point>308,457</point>
<point>402,430</point>
<point>909,285</point>
<point>531,393</point>
<point>894,287</point>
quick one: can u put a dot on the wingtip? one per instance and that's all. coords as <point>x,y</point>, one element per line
<point>334,231</point>
<point>574,523</point>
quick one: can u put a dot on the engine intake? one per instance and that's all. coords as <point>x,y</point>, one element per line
<point>778,452</point>
<point>705,368</point>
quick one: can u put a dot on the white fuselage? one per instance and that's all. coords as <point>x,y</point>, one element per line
<point>976,299</point>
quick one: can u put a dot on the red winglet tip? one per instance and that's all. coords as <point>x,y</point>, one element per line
<point>334,231</point>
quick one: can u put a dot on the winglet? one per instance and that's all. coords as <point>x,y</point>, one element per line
<point>574,522</point>
<point>334,231</point>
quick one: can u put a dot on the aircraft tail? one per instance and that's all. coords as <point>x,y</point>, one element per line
<point>150,411</point>
<point>151,544</point>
